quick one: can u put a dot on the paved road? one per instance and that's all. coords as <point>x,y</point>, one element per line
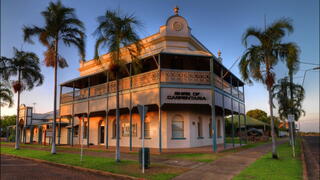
<point>20,169</point>
<point>227,167</point>
<point>312,156</point>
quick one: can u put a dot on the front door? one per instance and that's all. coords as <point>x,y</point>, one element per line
<point>101,141</point>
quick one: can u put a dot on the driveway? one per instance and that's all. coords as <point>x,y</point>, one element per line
<point>227,167</point>
<point>20,169</point>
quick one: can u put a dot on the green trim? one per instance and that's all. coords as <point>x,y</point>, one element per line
<point>178,138</point>
<point>146,138</point>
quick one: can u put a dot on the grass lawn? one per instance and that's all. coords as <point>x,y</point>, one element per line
<point>236,140</point>
<point>199,157</point>
<point>209,157</point>
<point>126,167</point>
<point>285,168</point>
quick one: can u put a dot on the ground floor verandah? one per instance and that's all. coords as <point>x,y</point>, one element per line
<point>173,127</point>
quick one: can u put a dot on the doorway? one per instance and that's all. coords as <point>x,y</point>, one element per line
<point>101,131</point>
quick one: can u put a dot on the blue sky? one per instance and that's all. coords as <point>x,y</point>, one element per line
<point>219,25</point>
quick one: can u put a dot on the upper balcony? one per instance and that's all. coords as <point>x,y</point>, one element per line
<point>165,76</point>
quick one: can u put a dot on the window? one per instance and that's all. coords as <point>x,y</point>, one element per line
<point>134,129</point>
<point>200,127</point>
<point>219,128</point>
<point>210,128</point>
<point>147,129</point>
<point>177,127</point>
<point>76,131</point>
<point>125,129</point>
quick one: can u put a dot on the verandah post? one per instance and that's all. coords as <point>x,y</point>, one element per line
<point>72,120</point>
<point>130,108</point>
<point>239,113</point>
<point>232,125</point>
<point>107,113</point>
<point>88,114</point>
<point>159,106</point>
<point>223,111</point>
<point>213,113</point>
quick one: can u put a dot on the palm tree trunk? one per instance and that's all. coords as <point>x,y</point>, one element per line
<point>17,118</point>
<point>291,99</point>
<point>117,120</point>
<point>273,137</point>
<point>53,147</point>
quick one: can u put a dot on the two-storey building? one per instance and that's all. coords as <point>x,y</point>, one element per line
<point>187,89</point>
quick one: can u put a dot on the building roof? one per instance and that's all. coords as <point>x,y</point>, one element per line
<point>44,116</point>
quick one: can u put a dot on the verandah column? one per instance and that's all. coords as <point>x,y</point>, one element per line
<point>59,131</point>
<point>88,114</point>
<point>31,134</point>
<point>159,106</point>
<point>107,112</point>
<point>223,111</point>
<point>88,127</point>
<point>130,109</point>
<point>213,113</point>
<point>245,116</point>
<point>239,113</point>
<point>232,125</point>
<point>72,120</point>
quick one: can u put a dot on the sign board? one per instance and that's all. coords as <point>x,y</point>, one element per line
<point>290,118</point>
<point>49,133</point>
<point>185,96</point>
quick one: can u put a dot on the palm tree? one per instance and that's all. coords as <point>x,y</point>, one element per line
<point>26,66</point>
<point>6,96</point>
<point>114,32</point>
<point>286,104</point>
<point>259,59</point>
<point>61,24</point>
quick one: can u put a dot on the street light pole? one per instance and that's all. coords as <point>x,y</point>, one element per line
<point>305,72</point>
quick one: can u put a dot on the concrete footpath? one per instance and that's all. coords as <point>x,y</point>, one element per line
<point>227,167</point>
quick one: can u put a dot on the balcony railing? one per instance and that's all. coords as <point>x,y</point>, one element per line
<point>149,78</point>
<point>176,76</point>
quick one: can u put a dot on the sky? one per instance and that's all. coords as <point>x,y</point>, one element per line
<point>219,25</point>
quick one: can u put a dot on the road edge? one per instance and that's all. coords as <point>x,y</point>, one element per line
<point>304,165</point>
<point>99,172</point>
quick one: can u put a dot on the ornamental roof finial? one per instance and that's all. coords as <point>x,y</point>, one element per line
<point>219,53</point>
<point>176,10</point>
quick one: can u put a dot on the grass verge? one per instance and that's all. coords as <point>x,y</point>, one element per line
<point>126,167</point>
<point>284,168</point>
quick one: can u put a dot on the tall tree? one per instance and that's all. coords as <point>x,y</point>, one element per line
<point>118,34</point>
<point>286,104</point>
<point>61,25</point>
<point>26,66</point>
<point>260,58</point>
<point>6,95</point>
<point>258,114</point>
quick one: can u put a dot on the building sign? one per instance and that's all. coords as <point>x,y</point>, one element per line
<point>49,133</point>
<point>185,96</point>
